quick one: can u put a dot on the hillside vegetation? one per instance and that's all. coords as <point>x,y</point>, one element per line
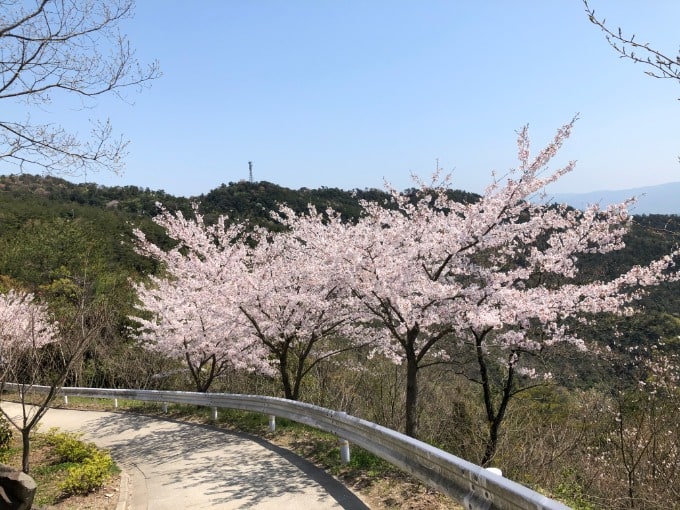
<point>73,243</point>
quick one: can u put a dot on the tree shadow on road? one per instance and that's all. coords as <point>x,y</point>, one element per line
<point>224,466</point>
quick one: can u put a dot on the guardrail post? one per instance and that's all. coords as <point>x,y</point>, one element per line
<point>165,407</point>
<point>344,451</point>
<point>65,399</point>
<point>214,414</point>
<point>272,423</point>
<point>115,403</point>
<point>495,471</point>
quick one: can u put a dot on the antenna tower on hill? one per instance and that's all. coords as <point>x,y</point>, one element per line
<point>250,170</point>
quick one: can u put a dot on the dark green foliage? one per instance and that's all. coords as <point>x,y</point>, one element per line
<point>254,201</point>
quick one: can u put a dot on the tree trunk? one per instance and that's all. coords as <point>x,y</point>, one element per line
<point>411,397</point>
<point>297,383</point>
<point>495,418</point>
<point>491,442</point>
<point>285,378</point>
<point>26,443</point>
<point>202,383</point>
<point>411,381</point>
<point>300,365</point>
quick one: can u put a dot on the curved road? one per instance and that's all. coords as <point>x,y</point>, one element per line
<point>174,465</point>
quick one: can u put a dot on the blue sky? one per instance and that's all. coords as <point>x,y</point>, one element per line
<point>347,93</point>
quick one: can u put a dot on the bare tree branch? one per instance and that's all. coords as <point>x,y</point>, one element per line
<point>659,65</point>
<point>61,48</point>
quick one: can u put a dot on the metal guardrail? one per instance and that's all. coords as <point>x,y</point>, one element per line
<point>472,486</point>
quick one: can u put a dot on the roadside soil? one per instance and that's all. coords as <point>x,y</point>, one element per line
<point>105,498</point>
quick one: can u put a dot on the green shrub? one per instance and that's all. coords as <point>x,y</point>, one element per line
<point>6,433</point>
<point>365,460</point>
<point>92,466</point>
<point>89,475</point>
<point>69,446</point>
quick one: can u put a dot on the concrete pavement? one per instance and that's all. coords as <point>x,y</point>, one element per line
<point>174,465</point>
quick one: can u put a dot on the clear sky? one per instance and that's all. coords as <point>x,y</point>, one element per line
<point>347,93</point>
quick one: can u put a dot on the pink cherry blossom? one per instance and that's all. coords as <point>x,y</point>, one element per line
<point>25,325</point>
<point>191,312</point>
<point>424,281</point>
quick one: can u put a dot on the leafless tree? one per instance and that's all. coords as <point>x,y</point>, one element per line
<point>658,64</point>
<point>53,50</point>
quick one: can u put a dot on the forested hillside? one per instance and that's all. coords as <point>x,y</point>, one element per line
<point>50,229</point>
<point>107,214</point>
<point>73,246</point>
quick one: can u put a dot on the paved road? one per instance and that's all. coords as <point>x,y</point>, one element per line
<point>174,465</point>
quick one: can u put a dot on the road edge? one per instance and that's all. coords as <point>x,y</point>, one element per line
<point>123,491</point>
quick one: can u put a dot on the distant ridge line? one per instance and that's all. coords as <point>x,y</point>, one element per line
<point>659,199</point>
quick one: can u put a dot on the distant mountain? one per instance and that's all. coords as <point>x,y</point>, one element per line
<point>661,199</point>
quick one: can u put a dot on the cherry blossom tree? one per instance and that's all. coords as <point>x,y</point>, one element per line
<point>294,304</point>
<point>485,285</point>
<point>35,349</point>
<point>261,302</point>
<point>520,277</point>
<point>25,329</point>
<point>379,261</point>
<point>191,312</point>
